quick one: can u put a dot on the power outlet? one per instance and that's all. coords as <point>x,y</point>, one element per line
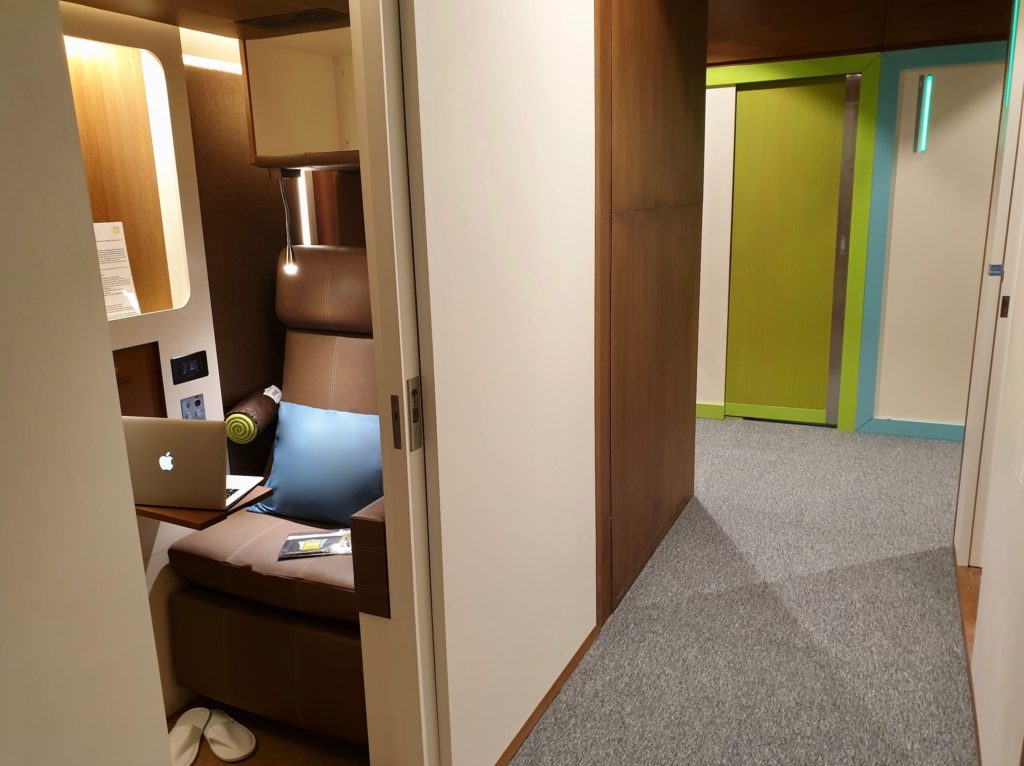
<point>193,407</point>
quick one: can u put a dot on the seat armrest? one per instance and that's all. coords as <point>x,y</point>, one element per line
<point>370,560</point>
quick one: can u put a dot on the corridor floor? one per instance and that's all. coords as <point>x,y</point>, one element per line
<point>803,610</point>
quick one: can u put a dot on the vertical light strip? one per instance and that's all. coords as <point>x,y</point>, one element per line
<point>924,112</point>
<point>1011,53</point>
<point>307,236</point>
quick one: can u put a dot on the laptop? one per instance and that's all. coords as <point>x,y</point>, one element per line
<point>182,463</point>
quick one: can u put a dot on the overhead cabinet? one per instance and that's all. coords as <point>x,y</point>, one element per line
<point>313,125</point>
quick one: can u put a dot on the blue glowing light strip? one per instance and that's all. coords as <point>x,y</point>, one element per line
<point>1012,52</point>
<point>926,113</point>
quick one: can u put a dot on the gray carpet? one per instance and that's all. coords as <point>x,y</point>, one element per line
<point>803,610</point>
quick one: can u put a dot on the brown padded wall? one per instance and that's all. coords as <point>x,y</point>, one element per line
<point>243,229</point>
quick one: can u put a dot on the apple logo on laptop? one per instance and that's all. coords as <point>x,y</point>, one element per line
<point>166,462</point>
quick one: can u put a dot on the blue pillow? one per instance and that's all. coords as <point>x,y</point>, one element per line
<point>327,465</point>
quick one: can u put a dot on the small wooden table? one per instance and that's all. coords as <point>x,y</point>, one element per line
<point>200,518</point>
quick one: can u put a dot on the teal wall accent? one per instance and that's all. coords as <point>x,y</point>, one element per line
<point>893,63</point>
<point>944,431</point>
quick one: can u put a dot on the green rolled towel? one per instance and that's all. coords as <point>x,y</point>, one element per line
<point>241,428</point>
<point>253,415</point>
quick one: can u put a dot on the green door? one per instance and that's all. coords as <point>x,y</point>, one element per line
<point>789,145</point>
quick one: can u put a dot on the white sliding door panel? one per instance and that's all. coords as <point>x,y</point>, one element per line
<point>716,242</point>
<point>936,244</point>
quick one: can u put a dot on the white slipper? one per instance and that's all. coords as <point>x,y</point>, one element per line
<point>229,740</point>
<point>186,736</point>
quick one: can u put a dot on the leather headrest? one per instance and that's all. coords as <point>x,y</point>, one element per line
<point>330,292</point>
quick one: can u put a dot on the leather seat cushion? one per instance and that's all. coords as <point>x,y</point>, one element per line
<point>238,556</point>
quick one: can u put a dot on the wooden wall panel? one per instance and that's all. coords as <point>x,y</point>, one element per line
<point>338,204</point>
<point>117,149</point>
<point>603,303</point>
<point>754,30</point>
<point>655,288</point>
<point>658,82</point>
<point>243,228</point>
<point>650,156</point>
<point>140,386</point>
<point>218,17</point>
<point>917,23</point>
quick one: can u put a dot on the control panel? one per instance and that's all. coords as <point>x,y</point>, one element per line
<point>193,407</point>
<point>189,367</point>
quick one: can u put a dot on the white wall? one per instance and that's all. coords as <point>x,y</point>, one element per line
<point>500,107</point>
<point>716,244</point>
<point>77,661</point>
<point>936,244</point>
<point>181,330</point>
<point>344,87</point>
<point>997,668</point>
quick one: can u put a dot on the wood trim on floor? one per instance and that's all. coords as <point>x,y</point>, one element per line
<point>968,586</point>
<point>556,687</point>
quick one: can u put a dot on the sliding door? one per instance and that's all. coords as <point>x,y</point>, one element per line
<point>786,213</point>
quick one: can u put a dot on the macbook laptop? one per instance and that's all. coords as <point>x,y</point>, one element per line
<point>182,463</point>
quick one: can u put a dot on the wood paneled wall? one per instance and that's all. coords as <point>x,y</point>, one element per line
<point>338,203</point>
<point>650,139</point>
<point>140,387</point>
<point>117,149</point>
<point>243,228</point>
<point>755,30</point>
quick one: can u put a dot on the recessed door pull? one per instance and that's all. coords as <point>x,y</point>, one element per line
<point>396,421</point>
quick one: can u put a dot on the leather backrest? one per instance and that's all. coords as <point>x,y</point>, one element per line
<point>332,372</point>
<point>328,354</point>
<point>330,292</point>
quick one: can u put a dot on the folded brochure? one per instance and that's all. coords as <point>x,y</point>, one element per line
<point>327,543</point>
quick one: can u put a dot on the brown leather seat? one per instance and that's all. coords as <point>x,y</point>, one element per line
<point>292,616</point>
<point>239,557</point>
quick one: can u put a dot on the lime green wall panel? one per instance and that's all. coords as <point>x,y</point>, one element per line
<point>711,411</point>
<point>785,212</point>
<point>787,414</point>
<point>856,276</point>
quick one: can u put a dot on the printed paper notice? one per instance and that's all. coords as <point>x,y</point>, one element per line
<point>115,271</point>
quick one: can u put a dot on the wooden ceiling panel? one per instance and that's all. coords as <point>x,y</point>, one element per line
<point>219,17</point>
<point>755,30</point>
<point>910,23</point>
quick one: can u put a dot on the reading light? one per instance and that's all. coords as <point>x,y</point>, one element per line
<point>290,266</point>
<point>924,112</point>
